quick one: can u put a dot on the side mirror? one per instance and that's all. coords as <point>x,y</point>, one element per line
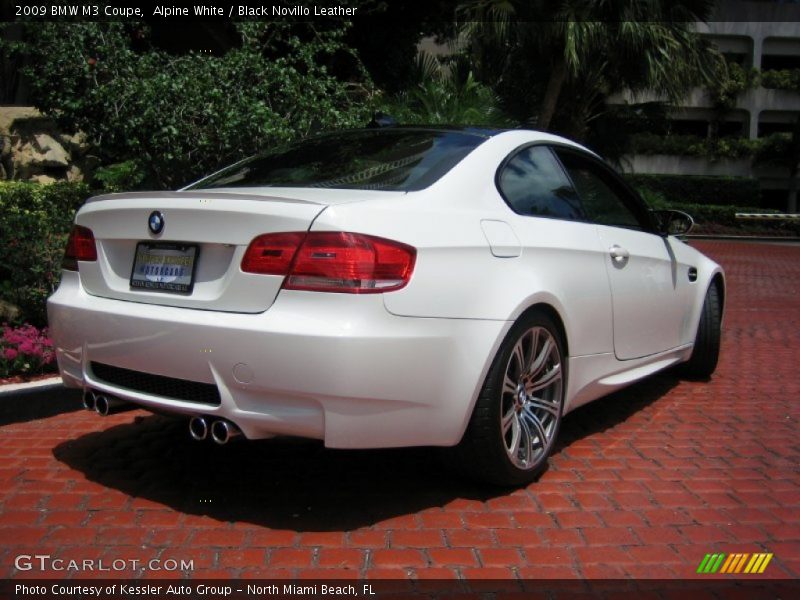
<point>673,222</point>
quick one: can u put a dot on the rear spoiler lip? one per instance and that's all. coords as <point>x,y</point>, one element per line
<point>197,194</point>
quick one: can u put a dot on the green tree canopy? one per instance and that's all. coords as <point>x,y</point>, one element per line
<point>554,62</point>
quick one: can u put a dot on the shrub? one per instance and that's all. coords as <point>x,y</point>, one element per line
<point>731,81</point>
<point>783,79</point>
<point>120,177</point>
<point>34,223</point>
<point>446,95</point>
<point>708,214</point>
<point>699,190</point>
<point>693,145</point>
<point>712,219</point>
<point>721,220</point>
<point>777,149</point>
<point>25,350</point>
<point>185,116</point>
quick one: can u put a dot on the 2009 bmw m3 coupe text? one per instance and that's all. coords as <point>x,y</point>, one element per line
<point>386,287</point>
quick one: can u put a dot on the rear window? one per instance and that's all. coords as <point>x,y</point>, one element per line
<point>379,159</point>
<point>534,184</point>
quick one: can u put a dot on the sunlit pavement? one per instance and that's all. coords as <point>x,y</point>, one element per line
<point>643,483</point>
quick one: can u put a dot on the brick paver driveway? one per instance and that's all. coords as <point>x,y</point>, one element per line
<point>644,483</point>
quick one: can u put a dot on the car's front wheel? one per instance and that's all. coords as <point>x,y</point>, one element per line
<point>518,413</point>
<point>703,361</point>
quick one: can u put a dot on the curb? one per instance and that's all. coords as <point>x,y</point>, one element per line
<point>30,385</point>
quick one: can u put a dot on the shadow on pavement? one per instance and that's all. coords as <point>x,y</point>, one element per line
<point>295,484</point>
<point>613,409</point>
<point>38,403</point>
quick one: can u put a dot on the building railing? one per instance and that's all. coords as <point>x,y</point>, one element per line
<point>768,216</point>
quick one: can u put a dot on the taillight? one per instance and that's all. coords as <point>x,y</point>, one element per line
<point>350,262</point>
<point>325,261</point>
<point>272,253</point>
<point>80,246</point>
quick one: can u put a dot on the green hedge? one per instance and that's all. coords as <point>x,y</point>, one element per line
<point>34,223</point>
<point>710,214</point>
<point>693,145</point>
<point>771,148</point>
<point>781,79</point>
<point>689,189</point>
<point>721,220</point>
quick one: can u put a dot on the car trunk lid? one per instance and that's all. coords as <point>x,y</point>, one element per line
<point>218,225</point>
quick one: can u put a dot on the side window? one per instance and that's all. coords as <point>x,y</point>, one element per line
<point>533,183</point>
<point>601,199</point>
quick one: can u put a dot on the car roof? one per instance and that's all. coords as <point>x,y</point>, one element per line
<point>477,130</point>
<point>486,133</point>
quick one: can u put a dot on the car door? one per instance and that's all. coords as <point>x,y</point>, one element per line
<point>647,296</point>
<point>561,256</point>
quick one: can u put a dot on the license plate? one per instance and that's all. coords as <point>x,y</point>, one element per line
<point>164,267</point>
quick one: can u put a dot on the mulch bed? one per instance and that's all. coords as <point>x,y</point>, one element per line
<point>25,378</point>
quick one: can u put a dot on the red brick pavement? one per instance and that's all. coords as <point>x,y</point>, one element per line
<point>643,483</point>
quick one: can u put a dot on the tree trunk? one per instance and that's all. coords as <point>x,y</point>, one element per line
<point>557,78</point>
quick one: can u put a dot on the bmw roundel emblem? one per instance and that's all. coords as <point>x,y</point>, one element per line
<point>155,222</point>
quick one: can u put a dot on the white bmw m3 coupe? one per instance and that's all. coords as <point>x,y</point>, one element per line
<point>398,286</point>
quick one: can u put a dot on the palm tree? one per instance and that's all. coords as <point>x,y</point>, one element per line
<point>445,94</point>
<point>636,45</point>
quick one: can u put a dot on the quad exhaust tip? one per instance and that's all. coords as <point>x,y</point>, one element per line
<point>108,405</point>
<point>103,404</point>
<point>89,401</point>
<point>219,430</point>
<point>224,431</point>
<point>198,428</point>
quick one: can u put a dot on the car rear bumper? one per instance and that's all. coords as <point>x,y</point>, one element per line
<point>335,367</point>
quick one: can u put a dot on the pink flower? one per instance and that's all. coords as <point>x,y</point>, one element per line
<point>25,342</point>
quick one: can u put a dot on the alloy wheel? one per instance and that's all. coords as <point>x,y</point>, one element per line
<point>531,398</point>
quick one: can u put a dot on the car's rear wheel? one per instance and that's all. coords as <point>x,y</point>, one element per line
<point>705,354</point>
<point>517,415</point>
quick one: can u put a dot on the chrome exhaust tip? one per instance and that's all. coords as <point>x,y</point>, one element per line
<point>224,431</point>
<point>89,401</point>
<point>198,428</point>
<point>108,405</point>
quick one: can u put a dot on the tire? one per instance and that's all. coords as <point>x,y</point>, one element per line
<point>703,361</point>
<point>517,415</point>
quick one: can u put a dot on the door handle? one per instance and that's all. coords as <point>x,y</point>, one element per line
<point>619,255</point>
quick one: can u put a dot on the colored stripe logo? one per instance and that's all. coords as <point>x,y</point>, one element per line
<point>734,563</point>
